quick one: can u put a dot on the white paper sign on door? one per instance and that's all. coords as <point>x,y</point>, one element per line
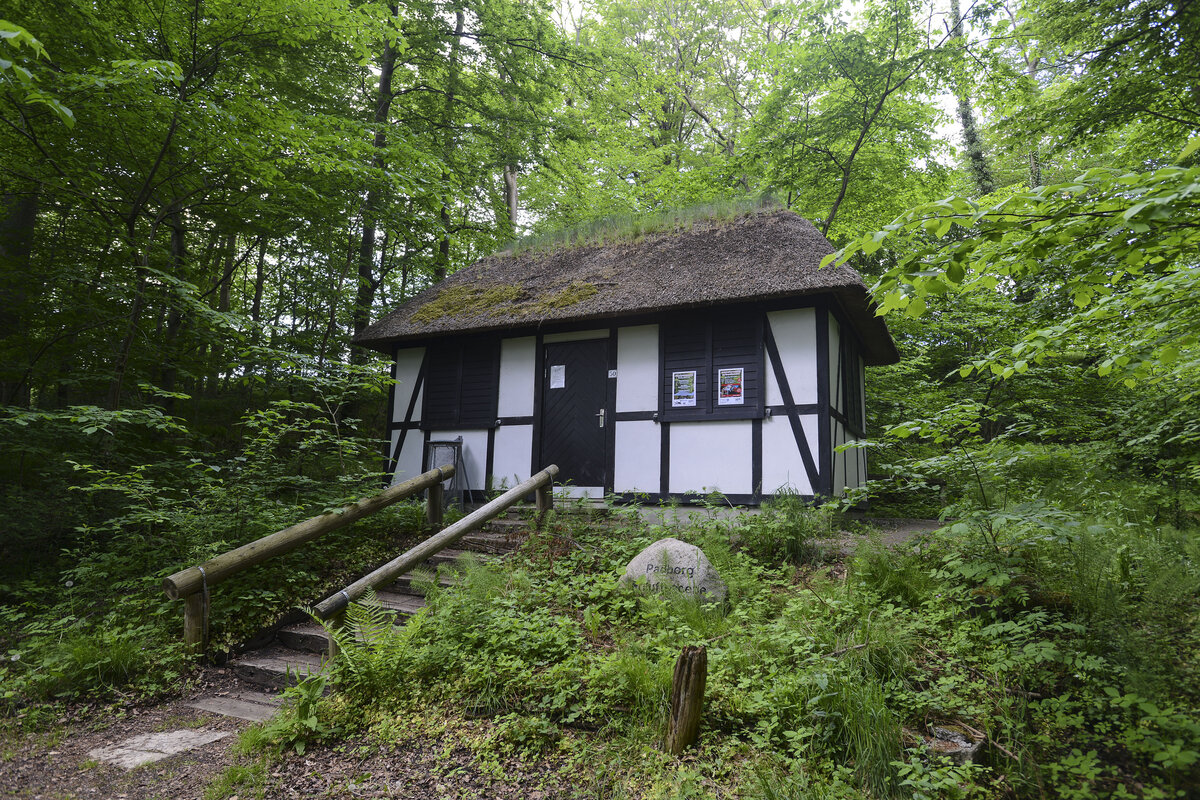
<point>558,376</point>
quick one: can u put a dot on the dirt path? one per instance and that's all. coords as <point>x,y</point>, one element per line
<point>59,764</point>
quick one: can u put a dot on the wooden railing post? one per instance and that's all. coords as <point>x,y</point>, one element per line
<point>545,498</point>
<point>194,613</point>
<point>435,502</point>
<point>336,622</point>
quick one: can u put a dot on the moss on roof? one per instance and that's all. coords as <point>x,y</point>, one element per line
<point>756,256</point>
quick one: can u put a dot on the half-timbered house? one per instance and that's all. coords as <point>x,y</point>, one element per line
<point>720,358</point>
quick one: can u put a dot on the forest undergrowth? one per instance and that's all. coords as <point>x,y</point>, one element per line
<point>1059,632</point>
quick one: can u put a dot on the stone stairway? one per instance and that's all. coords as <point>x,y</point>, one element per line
<point>300,649</point>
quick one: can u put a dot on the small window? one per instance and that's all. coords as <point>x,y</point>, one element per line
<point>712,367</point>
<point>462,379</point>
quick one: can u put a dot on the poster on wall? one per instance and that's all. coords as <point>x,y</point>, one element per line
<point>558,376</point>
<point>683,389</point>
<point>732,385</point>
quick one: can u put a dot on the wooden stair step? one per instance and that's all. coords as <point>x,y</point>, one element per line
<point>404,584</point>
<point>252,706</point>
<point>277,667</point>
<point>451,555</point>
<point>308,637</point>
<point>508,524</point>
<point>493,542</point>
<point>402,604</point>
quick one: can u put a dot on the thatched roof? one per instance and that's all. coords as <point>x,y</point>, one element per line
<point>760,256</point>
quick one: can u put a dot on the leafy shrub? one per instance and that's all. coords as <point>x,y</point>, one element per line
<point>786,529</point>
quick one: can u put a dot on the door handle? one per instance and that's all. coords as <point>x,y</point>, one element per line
<point>600,414</point>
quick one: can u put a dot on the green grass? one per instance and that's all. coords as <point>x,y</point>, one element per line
<point>632,227</point>
<point>818,686</point>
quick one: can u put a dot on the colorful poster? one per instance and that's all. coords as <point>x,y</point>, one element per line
<point>558,376</point>
<point>731,386</point>
<point>683,389</point>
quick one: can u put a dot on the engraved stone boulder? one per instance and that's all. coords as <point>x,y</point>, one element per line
<point>670,562</point>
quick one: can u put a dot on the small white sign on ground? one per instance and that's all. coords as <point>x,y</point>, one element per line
<point>150,747</point>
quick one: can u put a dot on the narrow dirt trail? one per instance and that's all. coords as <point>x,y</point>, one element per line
<point>60,765</point>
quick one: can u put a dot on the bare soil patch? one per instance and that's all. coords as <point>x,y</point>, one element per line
<point>56,763</point>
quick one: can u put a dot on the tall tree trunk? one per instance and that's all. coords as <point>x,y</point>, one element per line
<point>364,296</point>
<point>175,314</point>
<point>18,218</point>
<point>216,362</point>
<point>442,263</point>
<point>977,163</point>
<point>125,348</point>
<point>511,202</point>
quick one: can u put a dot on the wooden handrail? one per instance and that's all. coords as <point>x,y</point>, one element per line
<point>541,483</point>
<point>192,584</point>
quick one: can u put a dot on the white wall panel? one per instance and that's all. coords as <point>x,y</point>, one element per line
<point>782,465</point>
<point>474,453</point>
<point>711,456</point>
<point>637,369</point>
<point>513,454</point>
<point>795,333</point>
<point>408,463</point>
<point>517,380</point>
<point>408,364</point>
<point>638,457</point>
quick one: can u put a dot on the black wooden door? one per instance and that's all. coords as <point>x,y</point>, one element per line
<point>574,417</point>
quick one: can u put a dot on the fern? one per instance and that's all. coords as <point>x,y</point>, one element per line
<point>373,651</point>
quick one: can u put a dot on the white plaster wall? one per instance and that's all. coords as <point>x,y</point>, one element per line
<point>638,456</point>
<point>637,370</point>
<point>513,454</point>
<point>795,332</point>
<point>408,464</point>
<point>517,381</point>
<point>576,336</point>
<point>474,453</point>
<point>782,465</point>
<point>711,456</point>
<point>408,364</point>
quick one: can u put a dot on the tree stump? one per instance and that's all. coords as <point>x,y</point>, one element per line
<point>687,698</point>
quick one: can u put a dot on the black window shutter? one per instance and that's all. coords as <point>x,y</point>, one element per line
<point>685,350</point>
<point>480,384</point>
<point>462,381</point>
<point>706,345</point>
